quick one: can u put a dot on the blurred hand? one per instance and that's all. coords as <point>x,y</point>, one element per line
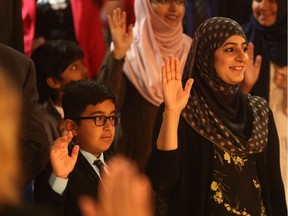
<point>280,78</point>
<point>121,37</point>
<point>252,70</point>
<point>285,102</point>
<point>126,192</point>
<point>62,164</point>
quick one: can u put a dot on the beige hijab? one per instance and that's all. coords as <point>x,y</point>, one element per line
<point>153,40</point>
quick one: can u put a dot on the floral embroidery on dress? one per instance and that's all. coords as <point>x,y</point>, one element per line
<point>219,187</point>
<point>218,197</point>
<point>239,161</point>
<point>256,183</point>
<point>228,199</point>
<point>235,211</point>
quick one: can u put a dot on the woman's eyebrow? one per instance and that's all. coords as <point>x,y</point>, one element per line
<point>233,43</point>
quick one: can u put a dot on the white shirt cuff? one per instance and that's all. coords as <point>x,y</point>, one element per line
<point>58,184</point>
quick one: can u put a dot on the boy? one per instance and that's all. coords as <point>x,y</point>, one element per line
<point>90,119</point>
<point>57,63</point>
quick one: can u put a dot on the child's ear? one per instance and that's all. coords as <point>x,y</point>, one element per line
<point>71,126</point>
<point>53,83</point>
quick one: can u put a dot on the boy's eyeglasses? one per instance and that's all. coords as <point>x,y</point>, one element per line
<point>101,120</point>
<point>178,2</point>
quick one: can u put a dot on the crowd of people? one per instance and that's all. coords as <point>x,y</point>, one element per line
<point>143,107</point>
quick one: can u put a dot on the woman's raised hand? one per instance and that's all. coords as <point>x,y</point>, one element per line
<point>175,97</point>
<point>121,36</point>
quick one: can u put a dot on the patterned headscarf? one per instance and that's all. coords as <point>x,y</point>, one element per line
<point>219,111</point>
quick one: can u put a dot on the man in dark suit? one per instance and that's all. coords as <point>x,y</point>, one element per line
<point>90,119</point>
<point>34,147</point>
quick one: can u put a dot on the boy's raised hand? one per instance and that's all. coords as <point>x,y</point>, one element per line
<point>62,164</point>
<point>121,36</point>
<point>175,97</point>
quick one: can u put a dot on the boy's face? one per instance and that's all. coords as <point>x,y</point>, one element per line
<point>75,71</point>
<point>96,139</point>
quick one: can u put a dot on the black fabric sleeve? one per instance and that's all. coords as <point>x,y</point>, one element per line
<point>111,74</point>
<point>163,167</point>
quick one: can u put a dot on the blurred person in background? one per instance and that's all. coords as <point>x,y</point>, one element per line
<point>267,30</point>
<point>34,144</point>
<point>10,129</point>
<point>77,21</point>
<point>57,63</point>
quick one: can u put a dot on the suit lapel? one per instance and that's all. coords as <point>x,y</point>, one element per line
<point>87,169</point>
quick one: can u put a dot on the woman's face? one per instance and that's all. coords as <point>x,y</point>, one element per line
<point>230,59</point>
<point>170,11</point>
<point>265,11</point>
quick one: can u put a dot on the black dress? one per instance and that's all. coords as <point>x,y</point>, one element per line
<point>182,178</point>
<point>226,199</point>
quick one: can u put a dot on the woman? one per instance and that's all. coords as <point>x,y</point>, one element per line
<point>136,79</point>
<point>267,30</point>
<point>216,154</point>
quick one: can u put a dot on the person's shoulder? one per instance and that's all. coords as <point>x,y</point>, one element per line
<point>6,48</point>
<point>9,51</point>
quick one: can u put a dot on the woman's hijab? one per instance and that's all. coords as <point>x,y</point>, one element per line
<point>218,111</point>
<point>269,42</point>
<point>153,40</point>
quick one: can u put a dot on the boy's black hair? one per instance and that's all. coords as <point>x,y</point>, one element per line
<point>77,95</point>
<point>51,59</point>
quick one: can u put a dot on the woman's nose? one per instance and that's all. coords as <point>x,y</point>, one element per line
<point>241,55</point>
<point>264,4</point>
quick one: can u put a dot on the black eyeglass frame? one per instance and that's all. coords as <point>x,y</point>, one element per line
<point>117,119</point>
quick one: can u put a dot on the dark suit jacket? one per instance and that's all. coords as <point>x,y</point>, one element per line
<point>11,24</point>
<point>23,210</point>
<point>34,147</point>
<point>51,119</point>
<point>83,180</point>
